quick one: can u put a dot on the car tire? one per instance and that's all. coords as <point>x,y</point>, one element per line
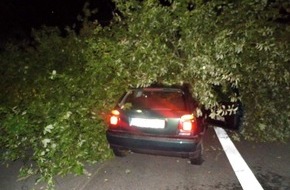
<point>198,160</point>
<point>119,153</point>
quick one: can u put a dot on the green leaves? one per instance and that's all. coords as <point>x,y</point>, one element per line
<point>46,116</point>
<point>215,44</point>
<point>54,97</point>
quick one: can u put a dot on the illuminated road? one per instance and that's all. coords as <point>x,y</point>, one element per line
<point>269,162</point>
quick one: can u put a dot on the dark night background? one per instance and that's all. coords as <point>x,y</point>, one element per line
<point>18,17</point>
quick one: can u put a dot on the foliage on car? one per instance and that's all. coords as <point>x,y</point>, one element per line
<point>55,93</point>
<point>212,44</point>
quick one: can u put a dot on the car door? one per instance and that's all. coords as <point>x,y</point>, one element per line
<point>231,119</point>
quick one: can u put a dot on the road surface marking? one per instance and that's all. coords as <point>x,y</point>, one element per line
<point>244,174</point>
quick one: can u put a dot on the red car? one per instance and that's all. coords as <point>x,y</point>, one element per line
<point>158,120</point>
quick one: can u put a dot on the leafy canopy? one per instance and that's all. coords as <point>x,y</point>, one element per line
<point>214,44</point>
<point>54,96</point>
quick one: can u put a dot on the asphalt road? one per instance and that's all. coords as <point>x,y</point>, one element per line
<point>269,162</point>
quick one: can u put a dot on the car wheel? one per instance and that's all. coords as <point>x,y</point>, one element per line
<point>119,153</point>
<point>198,160</point>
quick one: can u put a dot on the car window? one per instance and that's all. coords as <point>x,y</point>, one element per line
<point>155,99</point>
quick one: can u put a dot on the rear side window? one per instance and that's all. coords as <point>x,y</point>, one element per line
<point>155,99</point>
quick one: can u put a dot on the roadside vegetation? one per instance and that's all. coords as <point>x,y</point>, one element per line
<point>55,92</point>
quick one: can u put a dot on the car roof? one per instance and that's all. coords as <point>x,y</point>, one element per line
<point>162,87</point>
<point>157,89</point>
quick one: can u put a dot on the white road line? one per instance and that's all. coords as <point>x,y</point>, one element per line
<point>244,174</point>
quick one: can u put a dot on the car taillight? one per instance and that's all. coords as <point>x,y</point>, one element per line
<point>114,119</point>
<point>187,125</point>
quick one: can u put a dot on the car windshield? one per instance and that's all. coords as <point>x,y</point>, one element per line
<point>155,99</point>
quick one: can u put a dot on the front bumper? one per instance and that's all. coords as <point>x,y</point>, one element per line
<point>183,147</point>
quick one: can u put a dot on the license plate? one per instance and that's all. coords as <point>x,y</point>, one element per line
<point>148,123</point>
